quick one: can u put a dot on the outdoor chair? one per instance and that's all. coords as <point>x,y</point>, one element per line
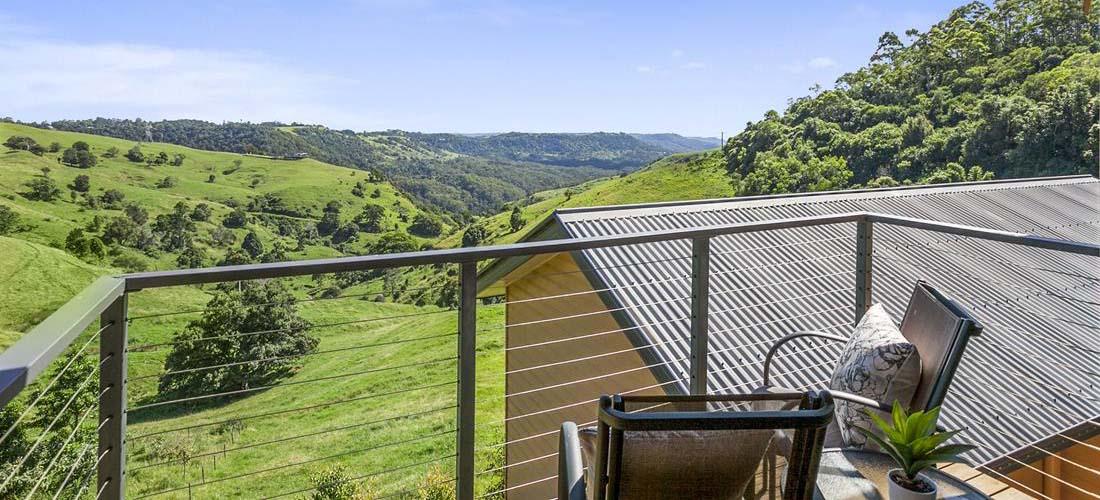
<point>705,447</point>
<point>939,329</point>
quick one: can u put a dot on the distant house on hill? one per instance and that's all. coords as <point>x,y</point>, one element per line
<point>590,322</point>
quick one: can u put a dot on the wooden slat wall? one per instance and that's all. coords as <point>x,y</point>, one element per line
<point>559,275</point>
<point>1078,466</point>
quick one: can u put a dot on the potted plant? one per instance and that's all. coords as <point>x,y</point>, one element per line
<point>913,442</point>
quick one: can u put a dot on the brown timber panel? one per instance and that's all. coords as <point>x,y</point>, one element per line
<point>552,394</point>
<point>1077,467</point>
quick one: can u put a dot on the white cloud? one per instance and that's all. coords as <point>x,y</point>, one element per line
<point>64,79</point>
<point>795,67</point>
<point>677,53</point>
<point>644,69</point>
<point>693,65</point>
<point>821,62</point>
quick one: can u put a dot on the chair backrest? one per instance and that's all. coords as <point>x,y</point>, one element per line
<point>690,452</point>
<point>940,329</point>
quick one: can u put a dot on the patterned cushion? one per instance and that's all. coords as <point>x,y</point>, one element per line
<point>877,363</point>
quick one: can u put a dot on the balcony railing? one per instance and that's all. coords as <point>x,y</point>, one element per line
<point>400,411</point>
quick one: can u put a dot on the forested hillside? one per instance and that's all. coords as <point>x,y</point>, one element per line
<point>613,151</point>
<point>1008,90</point>
<point>458,174</point>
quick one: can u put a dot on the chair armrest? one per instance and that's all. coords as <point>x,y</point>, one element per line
<point>779,343</point>
<point>570,464</point>
<point>847,396</point>
<point>860,400</point>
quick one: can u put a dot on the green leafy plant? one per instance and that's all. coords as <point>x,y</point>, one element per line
<point>912,441</point>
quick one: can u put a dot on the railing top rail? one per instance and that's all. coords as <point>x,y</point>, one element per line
<point>21,363</point>
<point>157,279</point>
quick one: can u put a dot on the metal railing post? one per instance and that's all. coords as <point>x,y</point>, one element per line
<point>111,478</point>
<point>700,312</point>
<point>467,374</point>
<point>864,248</point>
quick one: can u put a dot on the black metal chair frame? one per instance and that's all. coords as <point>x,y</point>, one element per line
<point>809,422</point>
<point>967,327</point>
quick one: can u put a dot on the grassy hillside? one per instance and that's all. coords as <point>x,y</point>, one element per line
<point>302,188</point>
<point>301,442</point>
<point>447,172</point>
<point>688,176</point>
<point>34,281</point>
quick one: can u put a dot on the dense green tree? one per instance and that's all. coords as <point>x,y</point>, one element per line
<point>371,218</point>
<point>252,245</point>
<point>329,223</point>
<point>226,336</point>
<point>81,184</point>
<point>24,143</point>
<point>1013,87</point>
<point>112,198</point>
<point>175,229</point>
<point>135,155</point>
<point>345,233</point>
<point>276,254</point>
<point>474,235</point>
<point>167,182</point>
<point>75,242</point>
<point>238,218</point>
<point>9,220</point>
<point>954,172</point>
<point>177,159</point>
<point>54,147</point>
<point>192,257</point>
<point>120,231</point>
<point>426,226</point>
<point>394,242</point>
<point>516,220</point>
<point>41,189</point>
<point>136,213</point>
<point>111,152</point>
<point>235,257</point>
<point>96,248</point>
<point>201,212</point>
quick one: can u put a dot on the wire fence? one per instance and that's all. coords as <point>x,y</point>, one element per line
<point>286,388</point>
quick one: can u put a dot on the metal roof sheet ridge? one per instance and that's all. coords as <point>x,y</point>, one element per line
<point>566,215</point>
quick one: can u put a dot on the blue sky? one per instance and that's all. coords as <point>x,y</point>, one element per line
<point>694,68</point>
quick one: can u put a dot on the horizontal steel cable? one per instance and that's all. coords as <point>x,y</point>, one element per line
<point>737,329</point>
<point>595,313</point>
<point>291,356</point>
<point>147,347</point>
<point>291,410</point>
<point>597,290</point>
<point>299,463</point>
<point>291,438</point>
<point>597,334</point>
<point>46,432</point>
<point>61,450</point>
<point>289,383</point>
<point>76,354</point>
<point>265,304</point>
<point>594,356</point>
<point>788,282</point>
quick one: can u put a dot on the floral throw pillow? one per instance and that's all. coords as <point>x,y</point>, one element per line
<point>877,363</point>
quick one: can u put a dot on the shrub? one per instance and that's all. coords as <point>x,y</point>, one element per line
<point>201,212</point>
<point>436,485</point>
<point>473,236</point>
<point>516,221</point>
<point>135,155</point>
<point>426,226</point>
<point>167,182</point>
<point>80,158</point>
<point>236,219</point>
<point>111,152</point>
<point>41,189</point>
<point>112,198</point>
<point>335,483</point>
<point>81,184</point>
<point>213,339</point>
<point>9,220</point>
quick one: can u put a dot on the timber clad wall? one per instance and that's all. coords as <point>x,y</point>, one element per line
<point>557,276</point>
<point>1078,469</point>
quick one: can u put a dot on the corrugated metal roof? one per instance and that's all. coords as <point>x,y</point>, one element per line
<point>1032,375</point>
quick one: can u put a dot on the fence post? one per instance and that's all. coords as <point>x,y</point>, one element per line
<point>111,478</point>
<point>467,374</point>
<point>700,311</point>
<point>864,248</point>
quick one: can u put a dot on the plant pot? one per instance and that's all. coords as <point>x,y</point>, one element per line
<point>899,491</point>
